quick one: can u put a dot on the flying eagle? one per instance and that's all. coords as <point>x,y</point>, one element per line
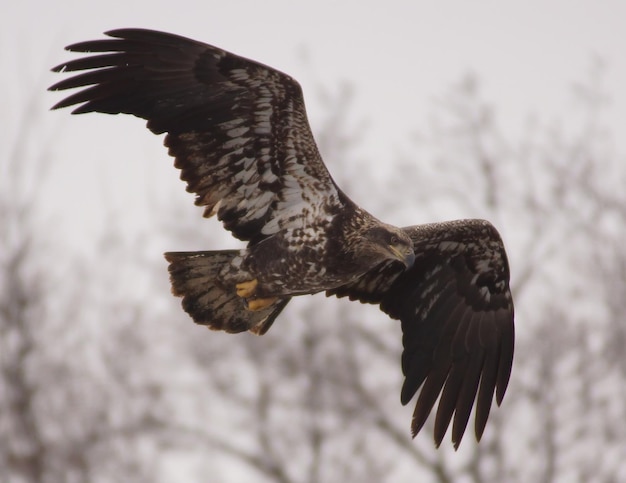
<point>239,133</point>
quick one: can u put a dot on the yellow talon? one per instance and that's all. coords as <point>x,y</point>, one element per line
<point>260,304</point>
<point>246,289</point>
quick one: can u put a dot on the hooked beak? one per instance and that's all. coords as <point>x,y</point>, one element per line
<point>408,257</point>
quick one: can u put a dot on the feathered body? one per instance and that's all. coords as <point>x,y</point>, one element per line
<point>239,134</point>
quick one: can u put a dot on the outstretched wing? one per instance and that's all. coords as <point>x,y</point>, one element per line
<point>238,129</point>
<point>456,311</point>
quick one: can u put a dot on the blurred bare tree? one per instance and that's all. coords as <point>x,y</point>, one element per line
<point>22,285</point>
<point>110,381</point>
<point>77,394</point>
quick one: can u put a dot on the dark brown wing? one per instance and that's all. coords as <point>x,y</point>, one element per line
<point>456,311</point>
<point>237,128</point>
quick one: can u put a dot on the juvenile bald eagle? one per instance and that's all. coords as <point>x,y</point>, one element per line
<point>239,133</point>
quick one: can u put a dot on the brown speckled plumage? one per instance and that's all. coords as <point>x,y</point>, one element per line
<point>239,134</point>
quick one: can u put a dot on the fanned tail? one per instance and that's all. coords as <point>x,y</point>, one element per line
<point>210,300</point>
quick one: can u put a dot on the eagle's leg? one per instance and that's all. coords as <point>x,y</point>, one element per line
<point>260,304</point>
<point>246,289</point>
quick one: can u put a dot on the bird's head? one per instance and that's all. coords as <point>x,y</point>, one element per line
<point>384,242</point>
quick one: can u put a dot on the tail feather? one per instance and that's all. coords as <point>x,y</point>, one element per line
<point>210,300</point>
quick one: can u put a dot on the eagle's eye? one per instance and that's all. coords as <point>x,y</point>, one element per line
<point>394,240</point>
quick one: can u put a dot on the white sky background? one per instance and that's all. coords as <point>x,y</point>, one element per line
<point>399,56</point>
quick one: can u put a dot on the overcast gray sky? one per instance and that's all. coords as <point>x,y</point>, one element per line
<point>399,56</point>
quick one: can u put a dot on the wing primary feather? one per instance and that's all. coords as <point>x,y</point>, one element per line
<point>422,330</point>
<point>448,401</point>
<point>428,397</point>
<point>436,379</point>
<point>506,353</point>
<point>422,346</point>
<point>473,363</point>
<point>486,391</point>
<point>92,62</point>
